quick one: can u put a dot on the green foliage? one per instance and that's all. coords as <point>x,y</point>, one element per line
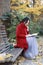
<point>14,22</point>
<point>41,27</point>
<point>34,27</point>
<point>12,28</point>
<point>16,17</point>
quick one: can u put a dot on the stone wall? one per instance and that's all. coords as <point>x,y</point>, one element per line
<point>4,6</point>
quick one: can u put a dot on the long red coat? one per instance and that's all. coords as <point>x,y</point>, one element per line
<point>21,32</point>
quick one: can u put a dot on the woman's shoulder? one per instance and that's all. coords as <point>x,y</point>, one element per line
<point>20,25</point>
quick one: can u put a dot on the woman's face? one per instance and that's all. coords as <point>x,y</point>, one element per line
<point>27,23</point>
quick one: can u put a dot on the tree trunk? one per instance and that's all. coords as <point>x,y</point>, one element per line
<point>32,16</point>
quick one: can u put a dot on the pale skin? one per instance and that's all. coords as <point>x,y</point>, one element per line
<point>27,25</point>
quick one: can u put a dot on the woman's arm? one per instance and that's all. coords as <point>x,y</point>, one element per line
<point>20,33</point>
<point>21,36</point>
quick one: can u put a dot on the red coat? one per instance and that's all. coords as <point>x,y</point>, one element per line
<point>21,32</point>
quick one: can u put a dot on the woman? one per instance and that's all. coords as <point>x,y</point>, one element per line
<point>29,44</point>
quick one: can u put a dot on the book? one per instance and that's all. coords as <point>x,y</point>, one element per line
<point>34,34</point>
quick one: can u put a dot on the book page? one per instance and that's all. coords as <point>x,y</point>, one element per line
<point>34,34</point>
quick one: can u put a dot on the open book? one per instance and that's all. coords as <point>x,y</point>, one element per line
<point>34,34</point>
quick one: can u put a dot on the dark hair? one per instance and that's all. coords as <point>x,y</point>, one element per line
<point>25,20</point>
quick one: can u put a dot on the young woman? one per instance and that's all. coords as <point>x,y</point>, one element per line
<point>28,43</point>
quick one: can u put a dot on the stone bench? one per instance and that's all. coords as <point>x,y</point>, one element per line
<point>9,49</point>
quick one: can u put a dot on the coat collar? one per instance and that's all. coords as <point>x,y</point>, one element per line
<point>23,25</point>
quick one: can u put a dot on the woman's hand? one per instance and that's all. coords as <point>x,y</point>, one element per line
<point>28,35</point>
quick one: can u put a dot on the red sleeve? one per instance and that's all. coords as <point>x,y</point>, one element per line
<point>28,32</point>
<point>19,32</point>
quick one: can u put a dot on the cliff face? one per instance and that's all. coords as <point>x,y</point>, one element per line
<point>4,6</point>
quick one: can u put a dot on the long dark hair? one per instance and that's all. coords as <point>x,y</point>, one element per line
<point>25,20</point>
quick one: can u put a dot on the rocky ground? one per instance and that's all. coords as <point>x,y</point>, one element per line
<point>39,59</point>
